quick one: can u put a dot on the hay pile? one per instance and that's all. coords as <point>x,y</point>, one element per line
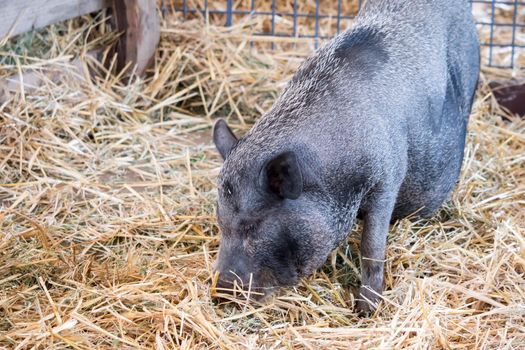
<point>107,218</point>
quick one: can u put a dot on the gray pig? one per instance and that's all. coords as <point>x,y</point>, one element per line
<point>373,122</point>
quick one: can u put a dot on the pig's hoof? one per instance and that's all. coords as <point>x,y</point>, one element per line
<point>367,301</point>
<point>364,308</point>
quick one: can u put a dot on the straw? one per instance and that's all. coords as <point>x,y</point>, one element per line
<point>108,232</point>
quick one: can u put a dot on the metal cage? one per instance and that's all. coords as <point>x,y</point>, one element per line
<point>500,23</point>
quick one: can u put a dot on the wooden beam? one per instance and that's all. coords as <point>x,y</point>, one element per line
<point>19,16</point>
<point>137,20</point>
<point>140,23</point>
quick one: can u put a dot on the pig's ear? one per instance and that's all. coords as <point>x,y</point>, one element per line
<point>282,175</point>
<point>223,138</point>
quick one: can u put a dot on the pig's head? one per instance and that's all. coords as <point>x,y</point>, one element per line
<point>271,213</point>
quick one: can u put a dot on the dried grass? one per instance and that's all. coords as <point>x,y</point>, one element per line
<point>107,215</point>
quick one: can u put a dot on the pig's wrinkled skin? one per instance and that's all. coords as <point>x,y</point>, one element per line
<point>374,122</point>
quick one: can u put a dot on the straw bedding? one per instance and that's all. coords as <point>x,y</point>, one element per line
<point>107,224</point>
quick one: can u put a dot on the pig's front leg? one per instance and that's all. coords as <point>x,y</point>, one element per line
<point>377,214</point>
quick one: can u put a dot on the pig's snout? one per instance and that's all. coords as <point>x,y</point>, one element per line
<point>238,277</point>
<point>232,284</point>
<point>234,273</point>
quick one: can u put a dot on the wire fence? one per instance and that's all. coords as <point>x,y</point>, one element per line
<point>500,23</point>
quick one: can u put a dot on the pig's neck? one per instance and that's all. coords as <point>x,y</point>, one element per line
<point>343,213</point>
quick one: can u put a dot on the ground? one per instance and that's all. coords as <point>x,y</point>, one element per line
<point>107,225</point>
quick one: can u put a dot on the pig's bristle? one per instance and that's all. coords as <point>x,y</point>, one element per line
<point>107,192</point>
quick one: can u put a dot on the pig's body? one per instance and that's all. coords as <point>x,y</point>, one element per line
<point>374,121</point>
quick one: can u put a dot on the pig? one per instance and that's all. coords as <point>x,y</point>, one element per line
<point>374,122</point>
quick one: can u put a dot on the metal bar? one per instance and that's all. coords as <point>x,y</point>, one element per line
<point>514,19</point>
<point>492,15</point>
<point>338,16</point>
<point>266,13</point>
<point>206,12</point>
<point>252,12</point>
<point>316,23</point>
<point>273,21</point>
<point>294,17</point>
<point>229,13</point>
<point>273,16</point>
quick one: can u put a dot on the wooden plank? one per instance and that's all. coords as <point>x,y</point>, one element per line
<point>19,16</point>
<point>140,23</point>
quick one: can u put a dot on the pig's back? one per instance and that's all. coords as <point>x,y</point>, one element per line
<point>435,66</point>
<point>426,41</point>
